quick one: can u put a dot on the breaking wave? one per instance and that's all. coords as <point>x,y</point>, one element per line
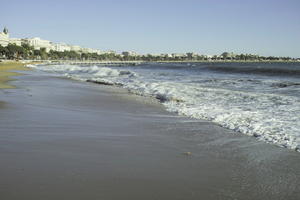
<point>242,104</point>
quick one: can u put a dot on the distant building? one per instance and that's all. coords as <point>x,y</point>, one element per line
<point>129,53</point>
<point>61,47</point>
<point>94,51</point>
<point>75,48</point>
<point>86,50</point>
<point>98,52</point>
<point>16,41</point>
<point>178,55</point>
<point>110,52</point>
<point>38,43</point>
<point>4,37</point>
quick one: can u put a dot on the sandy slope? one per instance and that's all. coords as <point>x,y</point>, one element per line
<point>62,139</point>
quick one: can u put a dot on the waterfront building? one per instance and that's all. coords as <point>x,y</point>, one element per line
<point>4,37</point>
<point>61,47</point>
<point>178,55</point>
<point>129,53</point>
<point>98,52</point>
<point>75,48</point>
<point>93,51</point>
<point>38,43</point>
<point>110,52</point>
<point>16,41</point>
<point>87,50</point>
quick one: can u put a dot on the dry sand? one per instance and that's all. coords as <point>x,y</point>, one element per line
<point>62,139</point>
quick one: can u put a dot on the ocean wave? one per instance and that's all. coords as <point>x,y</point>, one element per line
<point>93,71</point>
<point>272,118</point>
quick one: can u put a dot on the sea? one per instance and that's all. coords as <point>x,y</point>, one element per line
<point>256,99</point>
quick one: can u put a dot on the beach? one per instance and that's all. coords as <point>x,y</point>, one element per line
<point>255,99</point>
<point>68,139</point>
<point>6,73</point>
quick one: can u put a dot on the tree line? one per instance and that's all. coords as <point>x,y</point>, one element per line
<point>26,51</point>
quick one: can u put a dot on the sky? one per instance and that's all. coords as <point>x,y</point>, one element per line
<point>264,27</point>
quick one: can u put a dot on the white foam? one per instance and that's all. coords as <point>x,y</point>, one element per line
<point>77,71</point>
<point>270,117</point>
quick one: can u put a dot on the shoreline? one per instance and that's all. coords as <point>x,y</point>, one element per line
<point>7,72</point>
<point>68,139</point>
<point>120,86</point>
<point>136,62</point>
<point>260,136</point>
<point>239,126</point>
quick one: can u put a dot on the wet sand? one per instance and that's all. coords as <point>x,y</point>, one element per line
<point>6,73</point>
<point>63,139</point>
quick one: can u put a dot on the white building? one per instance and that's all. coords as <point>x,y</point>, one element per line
<point>92,50</point>
<point>61,47</point>
<point>88,50</point>
<point>75,48</point>
<point>16,41</point>
<point>178,55</point>
<point>4,38</point>
<point>99,52</point>
<point>110,52</point>
<point>38,43</point>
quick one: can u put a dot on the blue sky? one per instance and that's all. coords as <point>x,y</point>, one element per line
<point>266,27</point>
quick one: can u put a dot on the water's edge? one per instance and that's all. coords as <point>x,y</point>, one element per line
<point>243,111</point>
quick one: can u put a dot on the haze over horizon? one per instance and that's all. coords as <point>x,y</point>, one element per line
<point>265,27</point>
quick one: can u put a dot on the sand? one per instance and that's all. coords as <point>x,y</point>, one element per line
<point>6,73</point>
<point>63,139</point>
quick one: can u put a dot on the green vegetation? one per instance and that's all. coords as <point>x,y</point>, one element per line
<point>25,51</point>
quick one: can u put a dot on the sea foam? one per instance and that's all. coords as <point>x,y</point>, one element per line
<point>272,118</point>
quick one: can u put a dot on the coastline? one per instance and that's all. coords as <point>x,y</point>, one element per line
<point>136,62</point>
<point>62,138</point>
<point>7,72</point>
